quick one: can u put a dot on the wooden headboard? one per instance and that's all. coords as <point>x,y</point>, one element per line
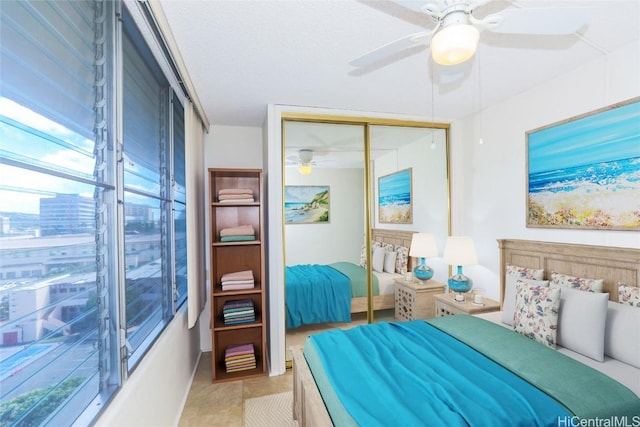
<point>613,265</point>
<point>395,237</point>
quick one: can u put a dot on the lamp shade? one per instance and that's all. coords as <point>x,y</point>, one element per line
<point>304,169</point>
<point>460,250</point>
<point>454,44</point>
<point>423,245</point>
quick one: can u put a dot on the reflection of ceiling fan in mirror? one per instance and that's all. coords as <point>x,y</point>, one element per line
<point>455,37</point>
<point>303,160</point>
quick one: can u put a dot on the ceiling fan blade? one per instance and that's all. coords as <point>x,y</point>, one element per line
<point>415,5</point>
<point>544,21</point>
<point>389,49</point>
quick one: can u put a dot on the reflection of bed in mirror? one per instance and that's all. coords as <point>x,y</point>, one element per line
<point>330,293</point>
<point>564,379</point>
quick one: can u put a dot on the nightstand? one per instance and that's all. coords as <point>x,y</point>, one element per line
<point>414,300</point>
<point>446,305</point>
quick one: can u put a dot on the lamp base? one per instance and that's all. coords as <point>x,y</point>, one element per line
<point>423,272</point>
<point>459,284</point>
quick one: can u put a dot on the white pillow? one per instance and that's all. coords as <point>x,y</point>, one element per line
<point>509,302</point>
<point>390,261</point>
<point>622,336</point>
<point>582,321</point>
<point>378,259</point>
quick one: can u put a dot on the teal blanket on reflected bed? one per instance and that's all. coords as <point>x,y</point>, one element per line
<point>414,374</point>
<point>322,293</point>
<point>316,294</point>
<point>357,277</point>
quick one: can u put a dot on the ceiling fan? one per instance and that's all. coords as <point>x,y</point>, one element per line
<point>456,33</point>
<point>304,161</point>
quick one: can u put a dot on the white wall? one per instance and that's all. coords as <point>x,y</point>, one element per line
<point>342,237</point>
<point>430,195</point>
<point>226,147</point>
<point>488,180</point>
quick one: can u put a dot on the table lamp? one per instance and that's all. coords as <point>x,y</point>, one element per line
<point>423,245</point>
<point>460,251</point>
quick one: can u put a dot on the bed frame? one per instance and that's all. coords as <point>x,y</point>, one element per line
<point>611,264</point>
<point>395,237</point>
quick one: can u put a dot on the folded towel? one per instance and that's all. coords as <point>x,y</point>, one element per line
<point>235,191</point>
<point>237,238</point>
<point>238,303</point>
<point>234,350</point>
<point>235,197</point>
<point>238,275</point>
<point>240,230</point>
<point>251,200</point>
<point>237,282</point>
<point>236,287</point>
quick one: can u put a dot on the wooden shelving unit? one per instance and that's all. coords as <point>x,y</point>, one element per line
<point>231,257</point>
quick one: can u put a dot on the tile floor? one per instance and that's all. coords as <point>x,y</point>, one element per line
<point>221,404</point>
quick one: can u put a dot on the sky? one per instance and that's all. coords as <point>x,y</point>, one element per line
<point>613,134</point>
<point>26,136</point>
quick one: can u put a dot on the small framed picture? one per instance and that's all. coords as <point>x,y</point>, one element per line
<point>394,198</point>
<point>306,204</point>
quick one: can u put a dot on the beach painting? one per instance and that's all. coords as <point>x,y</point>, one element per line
<point>306,204</point>
<point>394,198</point>
<point>584,173</point>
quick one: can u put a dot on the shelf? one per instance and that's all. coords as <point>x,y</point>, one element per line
<point>232,257</point>
<point>232,205</point>
<point>218,292</point>
<point>242,243</point>
<point>223,327</point>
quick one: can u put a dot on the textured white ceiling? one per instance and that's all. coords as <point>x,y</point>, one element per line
<point>243,55</point>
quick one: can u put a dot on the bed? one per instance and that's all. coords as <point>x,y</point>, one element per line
<point>566,374</point>
<point>330,293</point>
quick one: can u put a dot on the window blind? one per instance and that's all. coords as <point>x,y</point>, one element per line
<point>47,53</point>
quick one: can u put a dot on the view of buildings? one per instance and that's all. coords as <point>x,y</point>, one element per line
<point>47,265</point>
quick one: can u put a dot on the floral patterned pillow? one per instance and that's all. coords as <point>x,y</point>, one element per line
<point>580,283</point>
<point>628,295</point>
<point>402,258</point>
<point>536,313</point>
<point>363,256</point>
<point>525,272</point>
<point>388,247</point>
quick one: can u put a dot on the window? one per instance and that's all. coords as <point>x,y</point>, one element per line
<point>147,197</point>
<point>74,205</point>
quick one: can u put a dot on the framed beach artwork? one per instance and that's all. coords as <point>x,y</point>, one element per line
<point>306,204</point>
<point>394,198</point>
<point>584,172</point>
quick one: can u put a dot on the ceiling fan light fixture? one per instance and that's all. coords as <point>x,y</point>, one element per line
<point>454,44</point>
<point>304,169</point>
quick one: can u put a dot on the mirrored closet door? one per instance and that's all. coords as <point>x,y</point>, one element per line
<point>340,200</point>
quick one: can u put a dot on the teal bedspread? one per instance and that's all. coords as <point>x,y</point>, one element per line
<point>316,294</point>
<point>415,374</point>
<point>358,278</point>
<point>322,293</point>
<point>586,392</point>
